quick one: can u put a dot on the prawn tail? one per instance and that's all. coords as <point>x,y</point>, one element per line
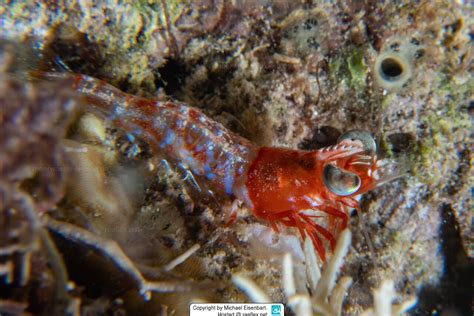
<point>196,142</point>
<point>116,105</point>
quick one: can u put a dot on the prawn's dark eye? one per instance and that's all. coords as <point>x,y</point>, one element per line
<point>340,182</point>
<point>364,137</point>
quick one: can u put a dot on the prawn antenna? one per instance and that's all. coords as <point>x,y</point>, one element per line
<point>367,238</point>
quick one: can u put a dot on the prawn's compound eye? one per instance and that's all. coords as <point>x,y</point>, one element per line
<point>364,137</point>
<point>340,182</point>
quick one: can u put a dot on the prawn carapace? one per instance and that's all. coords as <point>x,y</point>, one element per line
<point>294,187</point>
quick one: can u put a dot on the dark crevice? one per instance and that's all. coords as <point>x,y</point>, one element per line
<point>90,268</point>
<point>452,296</point>
<point>213,84</point>
<point>72,51</point>
<point>171,76</point>
<point>459,177</point>
<point>323,136</point>
<point>401,142</point>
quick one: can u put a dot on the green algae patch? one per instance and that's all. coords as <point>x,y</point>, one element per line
<point>335,66</point>
<point>350,67</point>
<point>357,68</point>
<point>387,100</point>
<point>441,133</point>
<point>173,7</point>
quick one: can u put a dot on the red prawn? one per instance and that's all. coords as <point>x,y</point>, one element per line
<point>279,185</point>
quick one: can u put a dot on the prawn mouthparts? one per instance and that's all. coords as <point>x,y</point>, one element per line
<point>279,185</point>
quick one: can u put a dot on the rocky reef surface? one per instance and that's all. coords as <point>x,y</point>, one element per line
<point>92,221</point>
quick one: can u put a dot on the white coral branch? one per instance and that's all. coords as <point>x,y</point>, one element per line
<point>328,278</point>
<point>327,297</point>
<point>252,290</point>
<point>383,298</point>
